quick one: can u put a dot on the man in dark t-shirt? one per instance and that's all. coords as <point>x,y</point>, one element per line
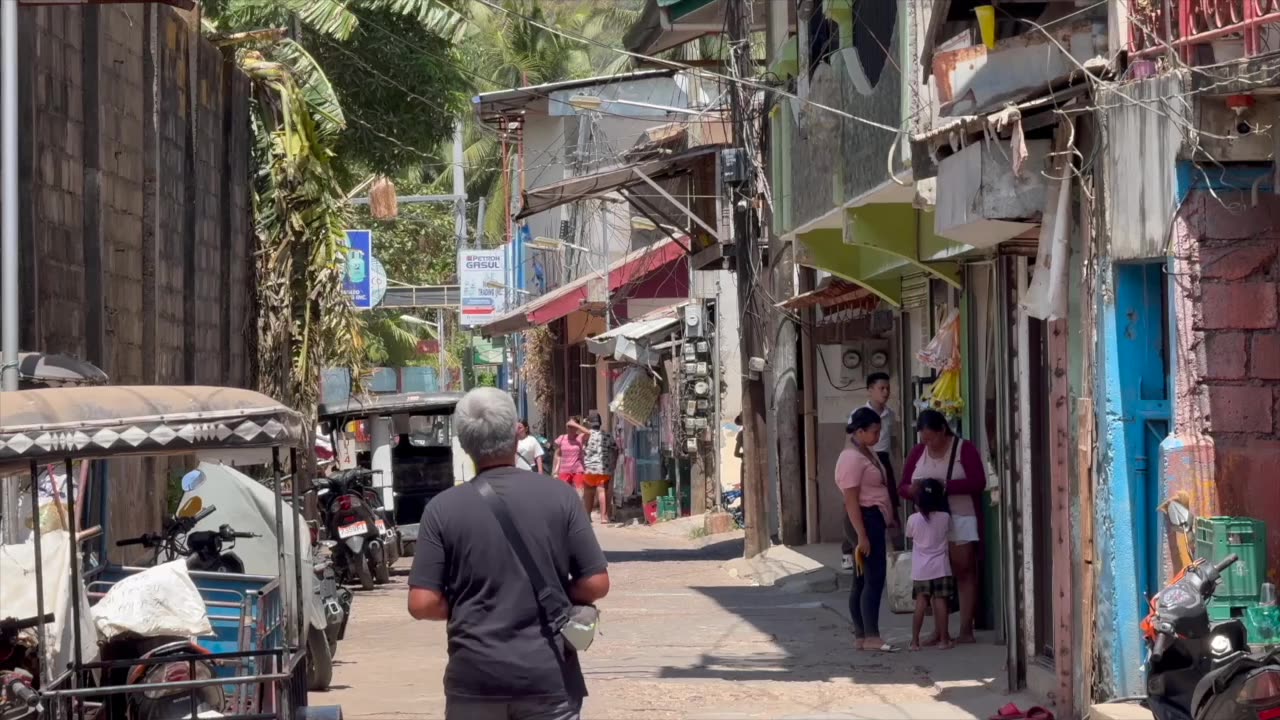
<point>504,661</point>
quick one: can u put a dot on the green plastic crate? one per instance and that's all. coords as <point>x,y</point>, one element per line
<point>667,506</point>
<point>1218,537</point>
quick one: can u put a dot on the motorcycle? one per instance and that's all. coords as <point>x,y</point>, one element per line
<point>352,528</point>
<point>335,598</point>
<point>207,550</point>
<point>1198,670</point>
<point>385,523</point>
<point>19,666</point>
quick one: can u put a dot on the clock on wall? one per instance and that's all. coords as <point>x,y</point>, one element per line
<point>852,359</point>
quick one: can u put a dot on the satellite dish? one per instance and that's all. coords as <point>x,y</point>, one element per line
<point>192,480</point>
<point>377,282</point>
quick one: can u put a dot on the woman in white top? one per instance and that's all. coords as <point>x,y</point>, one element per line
<point>964,476</point>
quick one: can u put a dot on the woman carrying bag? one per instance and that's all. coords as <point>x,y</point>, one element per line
<point>956,463</point>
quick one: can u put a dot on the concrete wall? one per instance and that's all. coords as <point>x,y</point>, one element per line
<point>135,227</point>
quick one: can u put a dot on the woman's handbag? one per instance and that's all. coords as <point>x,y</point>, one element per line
<point>575,623</point>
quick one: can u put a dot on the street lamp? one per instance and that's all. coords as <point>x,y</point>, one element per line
<point>640,222</point>
<point>426,324</point>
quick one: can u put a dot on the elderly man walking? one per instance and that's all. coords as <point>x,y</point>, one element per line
<point>507,660</point>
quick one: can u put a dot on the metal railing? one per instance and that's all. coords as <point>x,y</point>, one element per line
<point>1183,26</point>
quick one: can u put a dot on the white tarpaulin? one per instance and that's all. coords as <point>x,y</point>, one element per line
<point>1046,297</point>
<point>249,506</point>
<point>18,596</point>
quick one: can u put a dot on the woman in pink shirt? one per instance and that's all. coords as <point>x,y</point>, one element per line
<point>861,480</point>
<point>569,465</point>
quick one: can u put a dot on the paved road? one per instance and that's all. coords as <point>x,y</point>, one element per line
<point>681,638</point>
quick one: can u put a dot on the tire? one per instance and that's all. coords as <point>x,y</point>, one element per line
<point>391,551</point>
<point>319,661</point>
<point>381,571</point>
<point>360,564</point>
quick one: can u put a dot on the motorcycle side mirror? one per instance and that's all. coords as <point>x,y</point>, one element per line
<point>1180,516</point>
<point>192,480</point>
<point>191,508</point>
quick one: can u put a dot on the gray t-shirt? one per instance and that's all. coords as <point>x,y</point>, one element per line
<point>499,647</point>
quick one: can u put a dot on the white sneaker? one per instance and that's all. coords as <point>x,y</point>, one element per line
<point>846,562</point>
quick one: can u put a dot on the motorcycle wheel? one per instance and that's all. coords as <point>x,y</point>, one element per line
<point>363,573</point>
<point>391,550</point>
<point>320,661</point>
<point>381,571</point>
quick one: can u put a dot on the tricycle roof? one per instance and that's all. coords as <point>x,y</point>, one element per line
<point>391,404</point>
<point>48,425</point>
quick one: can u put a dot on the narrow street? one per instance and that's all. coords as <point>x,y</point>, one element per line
<point>682,638</point>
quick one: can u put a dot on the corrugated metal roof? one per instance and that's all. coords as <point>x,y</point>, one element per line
<point>834,291</point>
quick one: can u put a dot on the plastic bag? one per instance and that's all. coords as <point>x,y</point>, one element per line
<point>944,396</point>
<point>899,585</point>
<point>943,351</point>
<point>159,601</point>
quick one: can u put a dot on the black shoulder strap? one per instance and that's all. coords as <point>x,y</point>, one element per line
<point>551,600</point>
<point>951,466</point>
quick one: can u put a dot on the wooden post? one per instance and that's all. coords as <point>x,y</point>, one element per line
<point>1060,514</point>
<point>1088,575</point>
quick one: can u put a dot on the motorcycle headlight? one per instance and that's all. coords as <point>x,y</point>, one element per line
<point>1261,687</point>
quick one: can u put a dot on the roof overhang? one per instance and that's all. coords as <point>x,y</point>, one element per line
<point>832,293</point>
<point>572,296</point>
<point>666,24</point>
<point>549,197</point>
<point>634,341</point>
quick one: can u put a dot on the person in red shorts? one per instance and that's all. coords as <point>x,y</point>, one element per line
<point>570,449</point>
<point>598,458</point>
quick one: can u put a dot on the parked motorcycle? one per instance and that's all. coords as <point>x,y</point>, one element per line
<point>335,598</point>
<point>390,534</point>
<point>207,550</point>
<point>19,666</point>
<point>1198,670</point>
<point>351,524</point>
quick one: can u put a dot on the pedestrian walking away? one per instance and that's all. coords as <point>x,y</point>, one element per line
<point>599,456</point>
<point>506,660</point>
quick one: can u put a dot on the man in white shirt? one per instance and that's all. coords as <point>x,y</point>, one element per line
<point>529,451</point>
<point>878,400</point>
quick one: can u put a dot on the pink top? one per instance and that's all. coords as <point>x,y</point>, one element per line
<point>930,553</point>
<point>570,455</point>
<point>855,470</point>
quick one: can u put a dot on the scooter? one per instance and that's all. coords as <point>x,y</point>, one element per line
<point>1198,670</point>
<point>161,660</point>
<point>351,527</point>
<point>390,534</point>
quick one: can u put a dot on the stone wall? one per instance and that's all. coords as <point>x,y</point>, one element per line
<point>135,226</point>
<point>1236,371</point>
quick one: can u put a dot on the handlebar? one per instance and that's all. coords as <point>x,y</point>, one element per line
<point>1226,562</point>
<point>203,514</point>
<point>140,540</point>
<point>25,623</point>
<point>1163,640</point>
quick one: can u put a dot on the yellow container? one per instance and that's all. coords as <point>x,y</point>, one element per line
<point>987,24</point>
<point>650,490</point>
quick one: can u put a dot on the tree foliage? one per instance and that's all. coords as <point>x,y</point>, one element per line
<point>305,320</point>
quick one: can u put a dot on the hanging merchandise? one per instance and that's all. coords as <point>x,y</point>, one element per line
<point>637,398</point>
<point>943,354</point>
<point>943,351</point>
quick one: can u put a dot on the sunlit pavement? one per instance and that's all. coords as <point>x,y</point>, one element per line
<point>681,638</point>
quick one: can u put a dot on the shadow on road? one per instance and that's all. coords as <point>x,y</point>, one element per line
<point>720,551</point>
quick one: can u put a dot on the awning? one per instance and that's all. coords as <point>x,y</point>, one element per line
<point>568,298</point>
<point>633,341</point>
<point>492,105</point>
<point>554,195</point>
<point>877,246</point>
<point>831,292</point>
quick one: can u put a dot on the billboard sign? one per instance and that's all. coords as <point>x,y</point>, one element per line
<point>482,275</point>
<point>357,273</point>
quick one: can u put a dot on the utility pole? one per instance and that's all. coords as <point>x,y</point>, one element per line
<point>742,193</point>
<point>9,337</point>
<point>784,400</point>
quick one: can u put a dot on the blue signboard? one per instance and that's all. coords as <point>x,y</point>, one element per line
<point>357,272</point>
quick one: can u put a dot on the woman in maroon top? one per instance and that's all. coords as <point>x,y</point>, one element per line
<point>965,482</point>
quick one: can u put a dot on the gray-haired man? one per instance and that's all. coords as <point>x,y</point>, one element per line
<point>505,662</point>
